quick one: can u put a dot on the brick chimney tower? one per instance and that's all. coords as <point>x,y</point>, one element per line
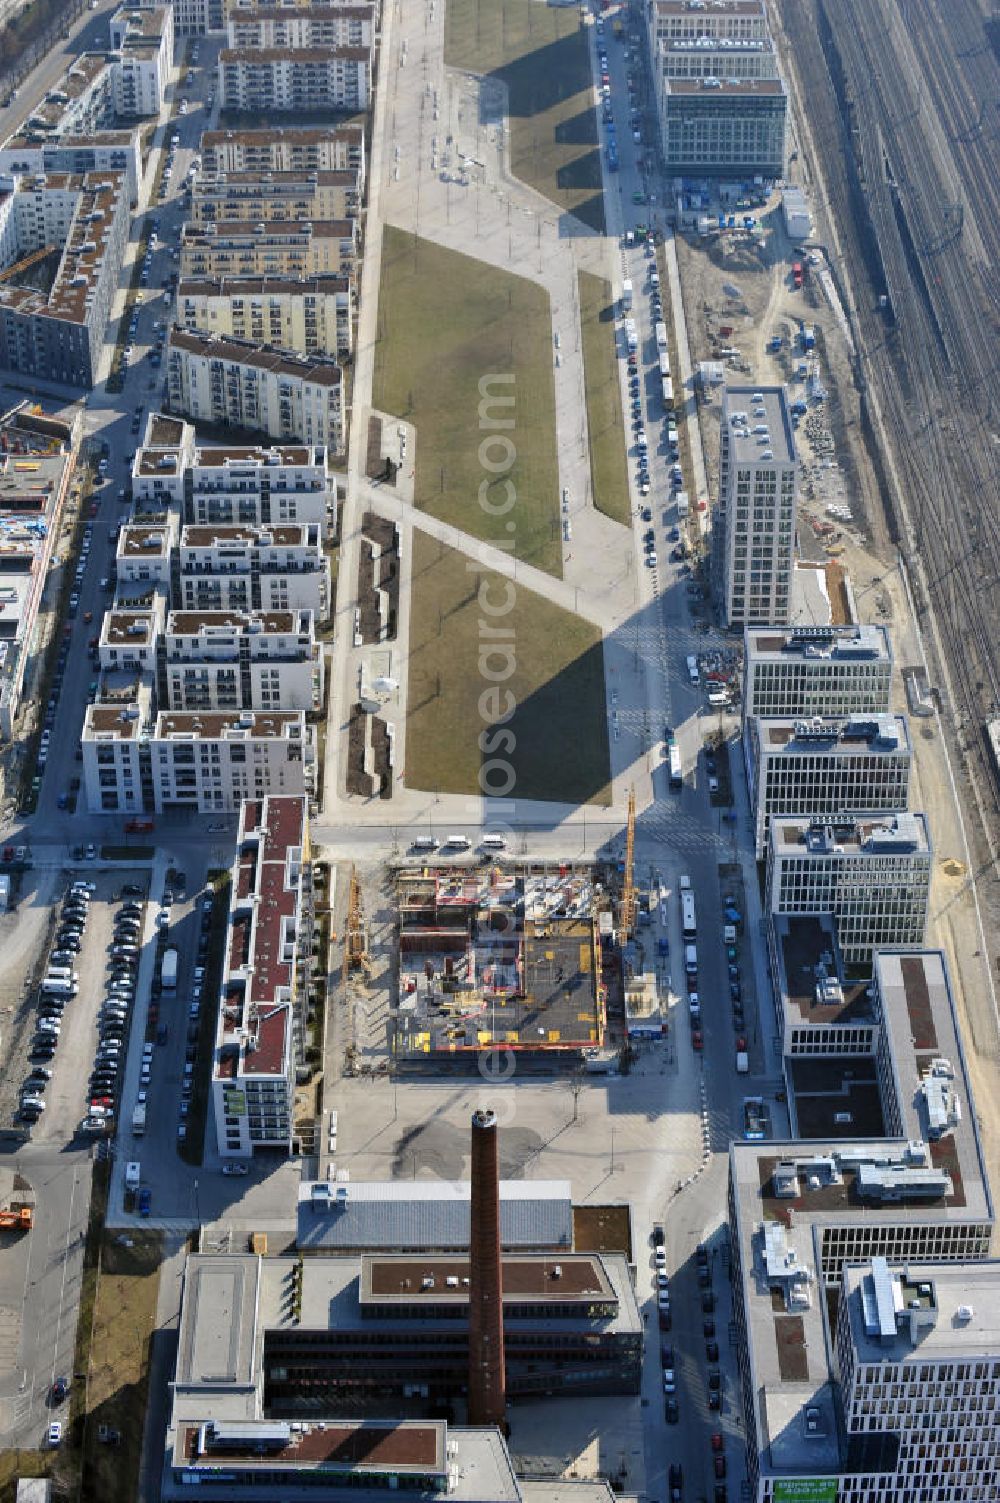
<point>487,1374</point>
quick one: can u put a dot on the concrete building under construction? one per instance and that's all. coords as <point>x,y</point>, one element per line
<point>498,957</point>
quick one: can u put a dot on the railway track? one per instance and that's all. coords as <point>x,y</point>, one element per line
<point>930,237</point>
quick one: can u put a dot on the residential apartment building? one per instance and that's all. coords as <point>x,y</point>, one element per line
<point>216,380</point>
<point>283,148</point>
<point>239,247</point>
<point>754,533</point>
<point>729,127</point>
<point>870,872</point>
<point>314,315</point>
<point>253,569</point>
<point>142,47</point>
<point>315,25</point>
<point>230,660</point>
<point>825,767</point>
<point>210,761</point>
<point>259,487</point>
<point>302,196</point>
<point>37,464</point>
<point>801,671</point>
<point>300,80</point>
<point>72,130</point>
<point>84,220</point>
<point>275,487</point>
<point>259,1029</point>
<point>917,1369</point>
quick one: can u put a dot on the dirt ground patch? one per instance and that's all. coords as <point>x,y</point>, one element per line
<point>554,743</point>
<point>117,1383</point>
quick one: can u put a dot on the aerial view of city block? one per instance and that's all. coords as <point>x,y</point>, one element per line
<point>499,751</point>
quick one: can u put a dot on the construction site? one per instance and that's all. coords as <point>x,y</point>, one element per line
<point>498,954</point>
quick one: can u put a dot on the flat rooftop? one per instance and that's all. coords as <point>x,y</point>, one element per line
<point>399,1215</point>
<point>328,284</point>
<point>822,1176</point>
<point>824,644</point>
<point>729,46</point>
<point>758,420</point>
<point>144,542</point>
<point>930,1073</point>
<point>697,8</point>
<point>811,975</point>
<point>217,725</point>
<point>726,88</point>
<point>271,137</point>
<point>854,737</point>
<point>314,369</point>
<point>275,232</point>
<point>866,835</point>
<point>956,1308</point>
<point>219,456</point>
<point>221,535</point>
<point>295,55</point>
<point>563,1278</point>
<point>201,623</point>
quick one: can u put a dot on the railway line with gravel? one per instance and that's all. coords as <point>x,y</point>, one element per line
<point>905,106</point>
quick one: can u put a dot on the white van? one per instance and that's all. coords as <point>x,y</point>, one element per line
<point>692,668</point>
<point>457,843</point>
<point>57,987</point>
<point>133,1172</point>
<point>425,843</point>
<point>493,843</point>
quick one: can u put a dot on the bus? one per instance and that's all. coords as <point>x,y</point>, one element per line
<point>689,927</point>
<point>674,759</point>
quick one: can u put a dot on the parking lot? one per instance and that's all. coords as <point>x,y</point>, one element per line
<point>54,1027</point>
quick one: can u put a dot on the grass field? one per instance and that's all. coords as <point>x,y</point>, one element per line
<point>124,1320</point>
<point>540,53</point>
<point>445,323</point>
<point>608,467</point>
<point>559,723</point>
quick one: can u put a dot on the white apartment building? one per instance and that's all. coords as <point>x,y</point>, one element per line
<point>210,761</point>
<point>248,248</point>
<point>803,671</point>
<point>259,1032</point>
<point>285,148</point>
<point>799,1214</point>
<point>917,1365</point>
<point>302,26</point>
<point>261,487</point>
<point>298,80</point>
<point>229,660</point>
<point>115,743</point>
<point>310,196</point>
<point>730,127</point>
<point>59,334</point>
<point>825,767</point>
<point>237,568</point>
<point>142,47</point>
<point>215,380</point>
<point>754,533</point>
<point>128,637</point>
<point>870,872</point>
<point>313,315</point>
<point>143,553</point>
